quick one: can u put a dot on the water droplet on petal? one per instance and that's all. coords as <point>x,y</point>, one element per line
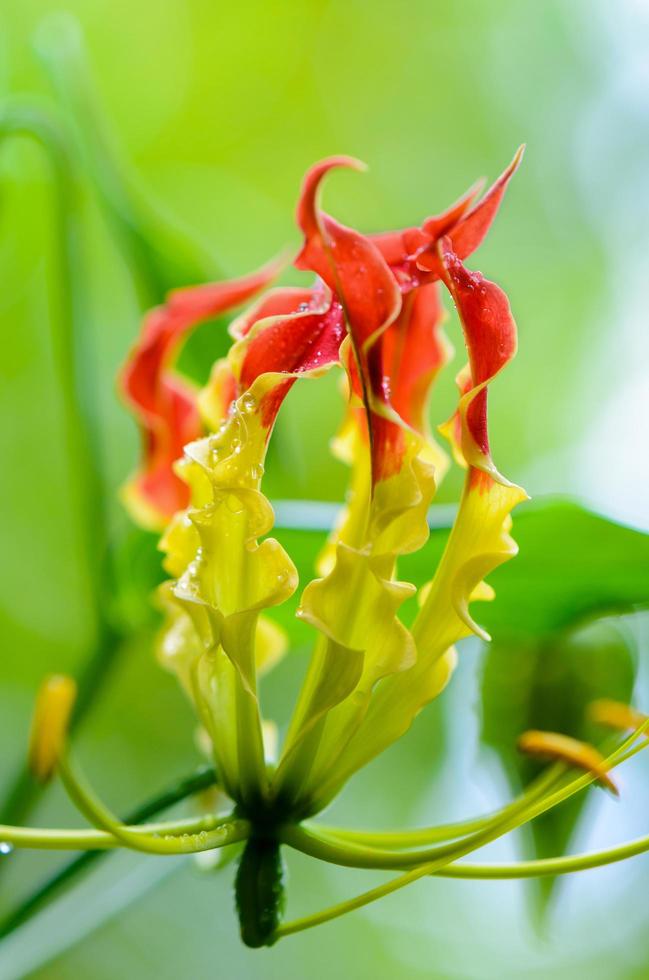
<point>248,402</point>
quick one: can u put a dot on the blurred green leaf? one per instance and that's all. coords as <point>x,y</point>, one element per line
<point>548,661</point>
<point>547,683</point>
<point>160,254</point>
<point>572,565</point>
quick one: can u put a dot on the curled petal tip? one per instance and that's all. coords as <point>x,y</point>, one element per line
<point>307,204</point>
<point>339,160</point>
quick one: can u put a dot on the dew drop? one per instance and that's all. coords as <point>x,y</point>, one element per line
<point>6,847</point>
<point>248,402</point>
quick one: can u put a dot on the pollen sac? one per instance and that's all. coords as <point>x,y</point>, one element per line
<point>615,714</point>
<point>54,704</point>
<point>562,748</point>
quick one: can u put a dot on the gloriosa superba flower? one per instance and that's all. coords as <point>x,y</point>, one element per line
<point>374,310</point>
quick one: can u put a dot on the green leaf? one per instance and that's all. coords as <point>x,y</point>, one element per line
<point>547,683</point>
<point>549,658</point>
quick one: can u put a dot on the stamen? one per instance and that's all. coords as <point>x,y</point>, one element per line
<point>615,714</point>
<point>54,704</point>
<point>552,745</point>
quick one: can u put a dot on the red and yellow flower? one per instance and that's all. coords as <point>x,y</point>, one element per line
<point>374,309</point>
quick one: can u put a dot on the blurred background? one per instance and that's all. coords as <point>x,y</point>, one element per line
<point>210,112</point>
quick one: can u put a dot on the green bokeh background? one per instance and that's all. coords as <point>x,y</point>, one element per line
<point>221,107</point>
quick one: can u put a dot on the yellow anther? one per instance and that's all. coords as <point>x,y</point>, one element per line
<point>562,748</point>
<point>616,714</point>
<point>54,704</point>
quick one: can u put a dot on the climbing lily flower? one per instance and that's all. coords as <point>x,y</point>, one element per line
<point>374,312</point>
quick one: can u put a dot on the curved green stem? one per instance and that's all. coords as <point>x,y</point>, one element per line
<point>45,838</point>
<point>335,850</point>
<point>399,839</point>
<point>447,855</point>
<point>548,866</point>
<point>522,869</point>
<point>230,831</point>
<point>199,781</point>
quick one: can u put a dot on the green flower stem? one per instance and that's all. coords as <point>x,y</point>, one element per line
<point>336,851</point>
<point>446,855</point>
<point>197,782</point>
<point>44,838</point>
<point>548,866</point>
<point>230,831</point>
<point>522,869</point>
<point>399,839</point>
<point>527,807</point>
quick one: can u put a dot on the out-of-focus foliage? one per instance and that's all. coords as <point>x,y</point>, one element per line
<point>547,682</point>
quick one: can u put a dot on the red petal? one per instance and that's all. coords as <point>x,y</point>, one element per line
<point>469,233</point>
<point>276,303</point>
<point>163,404</point>
<point>397,247</point>
<point>166,326</point>
<point>356,272</point>
<point>444,223</point>
<point>163,441</point>
<point>489,332</point>
<point>292,345</point>
<point>414,350</point>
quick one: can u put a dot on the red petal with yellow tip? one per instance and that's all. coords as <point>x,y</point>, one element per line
<point>490,336</point>
<point>292,345</point>
<point>278,302</point>
<point>165,405</point>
